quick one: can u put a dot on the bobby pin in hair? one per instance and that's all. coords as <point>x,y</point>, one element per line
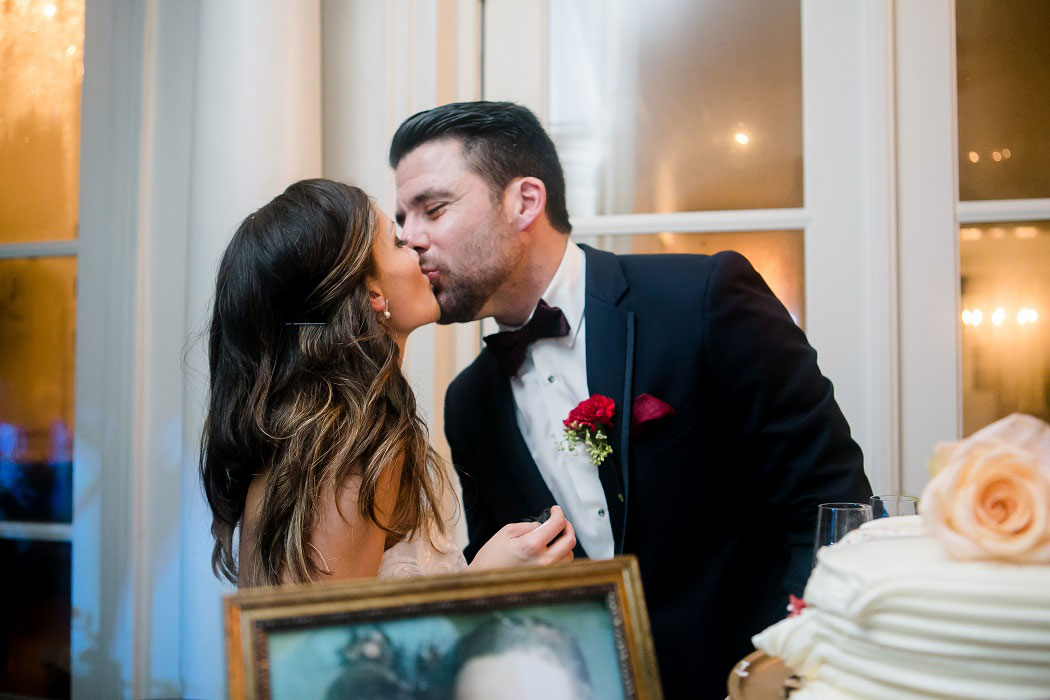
<point>300,323</point>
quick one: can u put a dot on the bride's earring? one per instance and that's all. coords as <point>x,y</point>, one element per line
<point>386,311</point>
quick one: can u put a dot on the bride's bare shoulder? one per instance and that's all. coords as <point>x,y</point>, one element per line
<point>343,543</point>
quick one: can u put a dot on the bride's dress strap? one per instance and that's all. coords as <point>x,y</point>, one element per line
<point>417,556</point>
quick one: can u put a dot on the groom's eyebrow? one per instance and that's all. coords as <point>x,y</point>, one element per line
<point>432,193</point>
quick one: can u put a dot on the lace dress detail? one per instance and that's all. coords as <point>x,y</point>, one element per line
<point>416,556</point>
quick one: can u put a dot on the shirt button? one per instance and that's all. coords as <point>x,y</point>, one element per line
<point>550,378</point>
<point>601,512</point>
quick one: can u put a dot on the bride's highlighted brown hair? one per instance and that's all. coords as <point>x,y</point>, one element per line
<point>305,385</point>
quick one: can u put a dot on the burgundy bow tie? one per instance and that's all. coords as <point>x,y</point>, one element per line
<point>509,347</point>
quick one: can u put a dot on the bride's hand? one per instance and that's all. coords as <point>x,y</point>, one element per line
<point>520,544</point>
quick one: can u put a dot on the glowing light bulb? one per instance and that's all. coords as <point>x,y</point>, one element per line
<point>976,316</point>
<point>50,10</point>
<point>967,317</point>
<point>997,156</point>
<point>998,316</point>
<point>1006,153</point>
<point>1027,315</point>
<point>974,156</point>
<point>742,138</point>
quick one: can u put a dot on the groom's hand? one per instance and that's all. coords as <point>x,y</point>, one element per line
<point>524,544</point>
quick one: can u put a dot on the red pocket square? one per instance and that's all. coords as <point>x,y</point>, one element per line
<point>645,409</point>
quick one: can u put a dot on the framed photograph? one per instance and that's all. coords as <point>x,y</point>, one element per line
<point>576,630</point>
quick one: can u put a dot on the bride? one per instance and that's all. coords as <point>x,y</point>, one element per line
<point>314,458</point>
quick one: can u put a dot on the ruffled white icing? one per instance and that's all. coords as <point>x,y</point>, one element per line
<point>890,615</point>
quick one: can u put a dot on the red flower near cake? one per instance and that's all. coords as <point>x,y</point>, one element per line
<point>587,425</point>
<point>990,498</point>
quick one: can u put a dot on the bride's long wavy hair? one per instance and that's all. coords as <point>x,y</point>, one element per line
<point>307,406</point>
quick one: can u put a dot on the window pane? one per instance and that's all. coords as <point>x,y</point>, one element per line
<point>1005,321</point>
<point>37,324</point>
<point>1004,98</point>
<point>41,44</point>
<point>34,618</point>
<point>677,105</point>
<point>776,255</point>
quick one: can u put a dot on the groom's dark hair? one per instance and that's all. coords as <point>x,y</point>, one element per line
<point>501,141</point>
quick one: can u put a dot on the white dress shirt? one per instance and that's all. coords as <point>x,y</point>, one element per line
<point>551,382</point>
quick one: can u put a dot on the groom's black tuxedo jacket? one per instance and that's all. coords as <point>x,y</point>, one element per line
<point>720,498</point>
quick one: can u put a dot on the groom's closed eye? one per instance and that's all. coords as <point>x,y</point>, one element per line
<point>436,210</point>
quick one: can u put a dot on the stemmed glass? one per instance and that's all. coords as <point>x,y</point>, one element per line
<point>890,506</point>
<point>834,520</point>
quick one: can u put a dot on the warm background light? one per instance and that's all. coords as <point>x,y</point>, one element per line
<point>40,75</point>
<point>1027,315</point>
<point>1005,364</point>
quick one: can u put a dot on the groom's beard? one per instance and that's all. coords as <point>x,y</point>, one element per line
<point>485,263</point>
<point>461,295</point>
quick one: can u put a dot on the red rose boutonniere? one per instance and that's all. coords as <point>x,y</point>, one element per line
<point>587,424</point>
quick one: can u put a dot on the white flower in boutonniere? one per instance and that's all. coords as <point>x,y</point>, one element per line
<point>587,425</point>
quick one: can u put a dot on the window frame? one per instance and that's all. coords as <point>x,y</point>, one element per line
<point>930,215</point>
<point>848,215</point>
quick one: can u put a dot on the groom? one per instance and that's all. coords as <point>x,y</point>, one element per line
<point>725,436</point>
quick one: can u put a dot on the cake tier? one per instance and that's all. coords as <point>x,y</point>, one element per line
<point>890,615</point>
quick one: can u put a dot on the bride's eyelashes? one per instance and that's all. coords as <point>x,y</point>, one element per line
<point>399,240</point>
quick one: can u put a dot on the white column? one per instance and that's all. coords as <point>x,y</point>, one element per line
<point>382,63</point>
<point>156,421</point>
<point>847,119</point>
<point>927,188</point>
<point>257,128</point>
<point>101,635</point>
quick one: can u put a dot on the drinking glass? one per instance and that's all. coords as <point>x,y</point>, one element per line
<point>834,520</point>
<point>889,506</point>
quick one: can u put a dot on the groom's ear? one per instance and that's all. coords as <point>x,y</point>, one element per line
<point>528,199</point>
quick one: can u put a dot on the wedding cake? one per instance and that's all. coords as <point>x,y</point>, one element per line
<point>954,603</point>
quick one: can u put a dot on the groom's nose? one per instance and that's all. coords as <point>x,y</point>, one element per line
<point>415,234</point>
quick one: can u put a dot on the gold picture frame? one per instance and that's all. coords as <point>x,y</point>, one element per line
<point>278,639</point>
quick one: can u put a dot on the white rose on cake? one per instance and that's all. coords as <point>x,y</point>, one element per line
<point>990,496</point>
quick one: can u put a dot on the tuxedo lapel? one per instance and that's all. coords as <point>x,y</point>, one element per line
<point>525,476</point>
<point>610,367</point>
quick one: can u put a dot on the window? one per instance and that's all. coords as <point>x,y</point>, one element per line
<point>1004,178</point>
<point>40,78</point>
<point>674,107</point>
